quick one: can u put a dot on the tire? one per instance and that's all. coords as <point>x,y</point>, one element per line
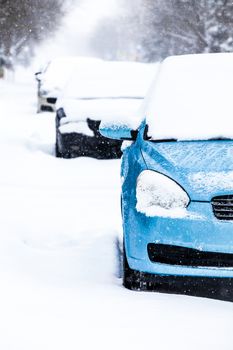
<point>67,155</point>
<point>132,279</point>
<point>38,108</point>
<point>57,153</point>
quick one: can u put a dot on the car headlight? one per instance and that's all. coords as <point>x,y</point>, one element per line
<point>157,191</point>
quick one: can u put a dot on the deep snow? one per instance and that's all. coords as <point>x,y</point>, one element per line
<point>58,259</point>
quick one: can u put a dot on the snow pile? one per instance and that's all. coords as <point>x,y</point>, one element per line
<point>157,195</point>
<point>192,98</point>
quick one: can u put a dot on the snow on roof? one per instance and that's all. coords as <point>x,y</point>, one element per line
<point>110,79</point>
<point>192,98</point>
<point>59,71</point>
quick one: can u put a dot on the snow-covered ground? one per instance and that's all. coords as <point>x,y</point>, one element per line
<point>59,265</point>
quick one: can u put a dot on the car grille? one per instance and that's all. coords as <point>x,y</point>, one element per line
<point>51,100</point>
<point>46,109</point>
<point>176,255</point>
<point>223,207</point>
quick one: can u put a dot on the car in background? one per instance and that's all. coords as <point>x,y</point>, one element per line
<point>101,91</point>
<point>53,78</point>
<point>177,191</point>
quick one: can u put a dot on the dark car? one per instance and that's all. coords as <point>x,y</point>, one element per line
<point>105,91</point>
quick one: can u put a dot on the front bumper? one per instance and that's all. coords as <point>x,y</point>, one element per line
<point>200,231</point>
<point>72,145</point>
<point>46,104</point>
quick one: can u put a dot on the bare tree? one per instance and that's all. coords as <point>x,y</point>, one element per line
<point>25,22</point>
<point>186,26</point>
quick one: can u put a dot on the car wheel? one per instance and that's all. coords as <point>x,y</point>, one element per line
<point>66,155</point>
<point>132,279</point>
<point>38,108</point>
<point>57,152</point>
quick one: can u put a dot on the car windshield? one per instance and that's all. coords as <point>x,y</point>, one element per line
<point>192,99</point>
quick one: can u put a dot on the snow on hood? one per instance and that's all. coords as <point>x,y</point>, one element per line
<point>124,110</point>
<point>212,181</point>
<point>203,168</point>
<point>191,98</point>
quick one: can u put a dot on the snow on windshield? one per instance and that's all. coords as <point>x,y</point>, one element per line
<point>107,110</point>
<point>192,98</point>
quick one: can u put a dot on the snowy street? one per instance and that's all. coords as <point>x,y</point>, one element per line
<point>59,265</point>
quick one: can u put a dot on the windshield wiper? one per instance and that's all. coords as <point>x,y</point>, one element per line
<point>163,140</point>
<point>220,139</point>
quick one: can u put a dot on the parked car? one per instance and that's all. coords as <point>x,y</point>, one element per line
<point>177,192</point>
<point>53,78</point>
<point>99,92</point>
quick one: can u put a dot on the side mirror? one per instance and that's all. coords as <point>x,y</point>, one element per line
<point>38,76</point>
<point>118,132</point>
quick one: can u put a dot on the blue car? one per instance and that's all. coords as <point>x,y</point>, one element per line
<point>177,180</point>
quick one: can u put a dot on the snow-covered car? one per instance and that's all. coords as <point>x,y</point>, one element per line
<point>103,91</point>
<point>53,78</point>
<point>177,192</point>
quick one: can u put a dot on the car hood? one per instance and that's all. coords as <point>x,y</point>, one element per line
<point>203,168</point>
